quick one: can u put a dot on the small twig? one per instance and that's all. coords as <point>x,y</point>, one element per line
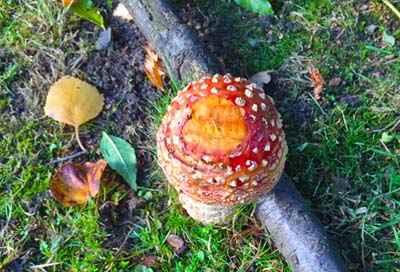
<point>391,126</point>
<point>40,266</point>
<point>70,157</point>
<point>78,139</point>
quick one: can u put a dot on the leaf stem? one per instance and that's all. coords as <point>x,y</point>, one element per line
<point>78,139</point>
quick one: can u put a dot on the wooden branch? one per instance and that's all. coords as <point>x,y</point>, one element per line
<point>174,40</point>
<point>297,233</point>
<point>295,230</point>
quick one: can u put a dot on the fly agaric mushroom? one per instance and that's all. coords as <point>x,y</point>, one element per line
<point>221,144</point>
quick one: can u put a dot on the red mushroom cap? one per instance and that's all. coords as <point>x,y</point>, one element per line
<point>221,141</point>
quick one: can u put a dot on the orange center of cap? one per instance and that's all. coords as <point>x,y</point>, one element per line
<point>216,127</point>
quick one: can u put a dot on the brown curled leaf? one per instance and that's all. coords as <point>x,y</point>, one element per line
<point>154,67</point>
<point>317,80</point>
<point>73,184</point>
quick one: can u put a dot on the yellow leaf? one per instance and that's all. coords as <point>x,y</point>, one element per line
<point>74,102</point>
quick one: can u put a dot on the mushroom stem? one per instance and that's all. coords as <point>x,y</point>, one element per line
<point>205,213</point>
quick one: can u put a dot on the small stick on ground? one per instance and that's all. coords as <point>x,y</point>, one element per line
<point>70,157</point>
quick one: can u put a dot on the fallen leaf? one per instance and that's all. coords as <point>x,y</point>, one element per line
<point>154,67</point>
<point>88,13</point>
<point>261,78</point>
<point>86,10</point>
<point>121,157</point>
<point>388,39</point>
<point>150,260</point>
<point>387,137</point>
<point>66,3</point>
<point>175,241</point>
<point>122,12</point>
<point>74,102</point>
<point>335,81</point>
<point>317,80</point>
<point>73,184</point>
<point>262,7</point>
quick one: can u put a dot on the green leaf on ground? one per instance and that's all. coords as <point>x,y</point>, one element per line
<point>86,11</point>
<point>262,7</point>
<point>386,137</point>
<point>388,39</point>
<point>121,157</point>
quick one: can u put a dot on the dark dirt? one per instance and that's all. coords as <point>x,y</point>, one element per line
<point>117,72</point>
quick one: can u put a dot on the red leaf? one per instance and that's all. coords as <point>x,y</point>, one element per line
<point>72,184</point>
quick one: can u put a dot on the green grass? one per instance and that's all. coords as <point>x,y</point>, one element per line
<point>337,160</point>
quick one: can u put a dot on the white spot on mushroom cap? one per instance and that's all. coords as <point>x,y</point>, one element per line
<point>193,98</point>
<point>267,147</point>
<point>272,122</point>
<point>273,166</point>
<point>229,170</point>
<point>214,79</point>
<point>253,118</point>
<point>240,101</point>
<point>219,180</point>
<point>197,175</point>
<point>238,168</point>
<point>204,86</point>
<point>207,159</point>
<point>233,183</point>
<point>261,95</point>
<point>244,178</point>
<point>255,150</point>
<point>248,93</point>
<point>254,107</point>
<point>215,90</point>
<point>227,81</point>
<point>231,88</point>
<point>235,154</point>
<point>176,140</point>
<point>187,111</point>
<point>272,136</point>
<point>264,163</point>
<point>176,162</point>
<point>251,86</point>
<point>252,165</point>
<point>203,94</point>
<point>263,107</point>
<point>238,79</point>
